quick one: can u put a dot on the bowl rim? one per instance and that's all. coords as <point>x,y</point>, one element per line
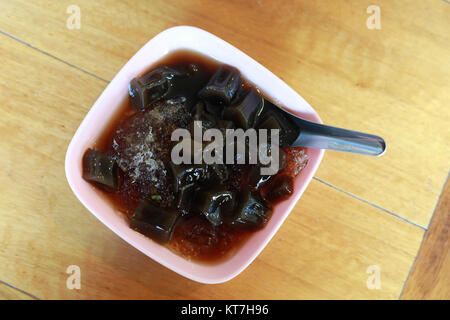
<point>193,39</point>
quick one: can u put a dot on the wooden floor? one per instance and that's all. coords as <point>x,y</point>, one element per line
<point>357,215</point>
<point>430,276</point>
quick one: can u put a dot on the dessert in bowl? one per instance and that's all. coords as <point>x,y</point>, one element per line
<point>178,240</point>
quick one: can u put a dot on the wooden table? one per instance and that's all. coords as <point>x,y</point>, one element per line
<point>358,214</point>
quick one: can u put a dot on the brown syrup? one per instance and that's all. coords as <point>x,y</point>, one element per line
<point>194,237</point>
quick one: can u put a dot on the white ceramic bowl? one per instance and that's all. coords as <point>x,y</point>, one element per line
<point>194,39</point>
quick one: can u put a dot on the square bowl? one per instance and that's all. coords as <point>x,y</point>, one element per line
<point>166,42</point>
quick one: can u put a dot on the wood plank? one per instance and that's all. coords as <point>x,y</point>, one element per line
<point>322,251</point>
<point>430,278</point>
<point>393,82</point>
<point>9,293</point>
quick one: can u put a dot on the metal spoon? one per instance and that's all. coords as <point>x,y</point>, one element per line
<point>315,135</point>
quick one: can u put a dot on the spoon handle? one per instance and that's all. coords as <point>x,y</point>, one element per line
<point>315,135</point>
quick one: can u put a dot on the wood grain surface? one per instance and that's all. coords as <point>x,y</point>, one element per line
<point>430,277</point>
<point>10,293</point>
<point>358,211</point>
